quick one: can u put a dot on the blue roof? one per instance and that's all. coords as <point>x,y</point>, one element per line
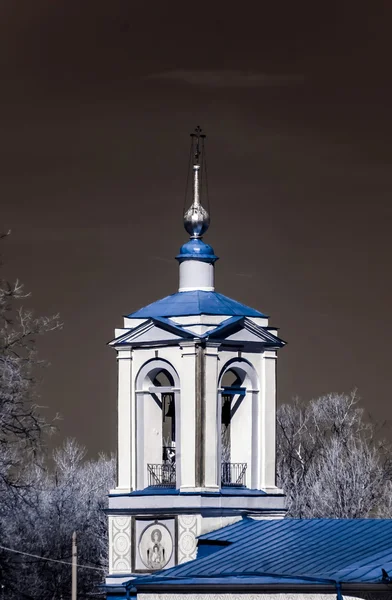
<point>341,550</point>
<point>195,303</point>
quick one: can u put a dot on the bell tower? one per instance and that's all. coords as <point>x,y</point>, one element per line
<point>196,412</point>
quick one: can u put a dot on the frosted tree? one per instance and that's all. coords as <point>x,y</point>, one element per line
<point>21,425</point>
<point>329,461</point>
<point>40,507</point>
<point>70,497</point>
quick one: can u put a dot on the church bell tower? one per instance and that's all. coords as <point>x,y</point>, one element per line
<point>196,413</point>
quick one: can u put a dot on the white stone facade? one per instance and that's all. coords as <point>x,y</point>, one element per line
<point>195,370</point>
<point>139,417</point>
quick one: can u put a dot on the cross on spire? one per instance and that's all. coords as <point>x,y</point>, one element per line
<point>197,135</point>
<point>196,218</point>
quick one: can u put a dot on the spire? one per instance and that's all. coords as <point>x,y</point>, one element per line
<point>196,258</point>
<point>196,218</point>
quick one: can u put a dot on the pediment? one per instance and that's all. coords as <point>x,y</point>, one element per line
<point>245,336</point>
<point>164,331</point>
<point>243,330</point>
<point>150,332</point>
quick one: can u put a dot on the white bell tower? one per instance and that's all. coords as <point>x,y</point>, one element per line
<point>196,413</point>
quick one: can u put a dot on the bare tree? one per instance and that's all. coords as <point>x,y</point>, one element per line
<point>21,425</point>
<point>71,497</point>
<point>329,461</point>
<point>40,507</point>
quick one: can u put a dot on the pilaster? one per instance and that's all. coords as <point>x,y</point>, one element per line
<point>256,471</point>
<point>188,425</point>
<point>125,425</point>
<point>269,420</point>
<point>211,419</point>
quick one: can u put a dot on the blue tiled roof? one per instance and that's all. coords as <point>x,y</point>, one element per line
<point>195,303</point>
<point>342,550</point>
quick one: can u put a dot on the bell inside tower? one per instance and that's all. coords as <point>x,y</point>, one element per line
<point>163,383</point>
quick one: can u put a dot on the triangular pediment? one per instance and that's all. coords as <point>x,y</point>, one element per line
<point>164,331</point>
<point>243,330</point>
<point>152,331</point>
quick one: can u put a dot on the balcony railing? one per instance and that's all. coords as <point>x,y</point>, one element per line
<point>233,474</point>
<point>163,475</point>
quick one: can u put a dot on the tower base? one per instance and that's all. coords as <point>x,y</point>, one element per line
<point>154,529</point>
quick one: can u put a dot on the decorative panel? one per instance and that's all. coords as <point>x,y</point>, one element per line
<point>187,533</point>
<point>120,544</point>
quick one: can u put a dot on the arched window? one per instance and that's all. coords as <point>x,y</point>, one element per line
<point>157,390</point>
<point>230,384</point>
<point>163,379</point>
<point>237,384</point>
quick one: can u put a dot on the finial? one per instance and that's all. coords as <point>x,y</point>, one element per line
<point>197,135</point>
<point>196,218</point>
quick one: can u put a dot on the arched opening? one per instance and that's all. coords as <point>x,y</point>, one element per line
<point>238,383</point>
<point>168,409</point>
<point>230,385</point>
<point>157,389</point>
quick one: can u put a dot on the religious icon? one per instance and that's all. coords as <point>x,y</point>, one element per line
<point>156,552</point>
<point>155,546</point>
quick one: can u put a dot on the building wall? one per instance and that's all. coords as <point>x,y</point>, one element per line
<point>197,374</point>
<point>125,538</point>
<point>253,426</point>
<point>255,596</point>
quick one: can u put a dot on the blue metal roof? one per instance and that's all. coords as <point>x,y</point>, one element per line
<point>342,550</point>
<point>225,584</point>
<point>195,303</point>
<point>196,249</point>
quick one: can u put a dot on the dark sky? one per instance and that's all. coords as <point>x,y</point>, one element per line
<point>97,102</point>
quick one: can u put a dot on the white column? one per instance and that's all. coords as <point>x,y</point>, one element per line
<point>186,460</point>
<point>212,419</point>
<point>219,434</point>
<point>140,397</point>
<point>125,406</point>
<point>254,475</point>
<point>269,420</point>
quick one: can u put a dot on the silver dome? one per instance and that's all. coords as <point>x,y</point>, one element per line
<point>196,220</point>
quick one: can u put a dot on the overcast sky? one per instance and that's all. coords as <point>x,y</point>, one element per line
<point>97,102</point>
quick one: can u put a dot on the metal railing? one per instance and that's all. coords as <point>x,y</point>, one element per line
<point>163,475</point>
<point>233,474</point>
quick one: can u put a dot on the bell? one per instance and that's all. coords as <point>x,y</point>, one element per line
<point>226,411</point>
<point>170,409</point>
